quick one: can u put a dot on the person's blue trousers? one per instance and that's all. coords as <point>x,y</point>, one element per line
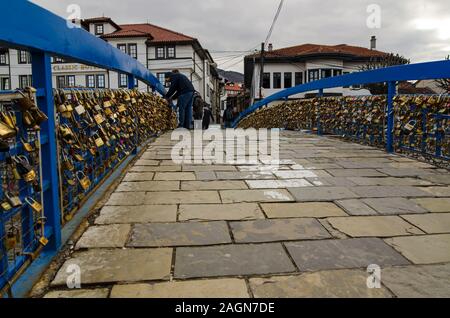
<point>185,109</point>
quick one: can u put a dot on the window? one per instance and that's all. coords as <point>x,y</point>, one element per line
<point>171,52</point>
<point>71,80</point>
<point>5,83</point>
<point>132,50</point>
<point>160,52</point>
<point>4,58</point>
<point>337,72</point>
<point>101,81</point>
<point>276,80</point>
<point>326,73</point>
<point>90,81</point>
<point>99,30</point>
<point>24,57</point>
<point>266,80</point>
<point>57,60</point>
<point>162,78</point>
<point>287,80</point>
<point>122,47</point>
<point>298,78</point>
<point>136,82</point>
<point>60,81</point>
<point>24,81</point>
<point>313,75</point>
<point>123,80</point>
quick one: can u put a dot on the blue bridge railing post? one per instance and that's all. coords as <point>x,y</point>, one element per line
<point>131,85</point>
<point>392,91</point>
<point>319,126</point>
<point>42,80</point>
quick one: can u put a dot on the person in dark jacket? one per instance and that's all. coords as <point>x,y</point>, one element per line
<point>182,89</point>
<point>228,117</point>
<point>207,117</point>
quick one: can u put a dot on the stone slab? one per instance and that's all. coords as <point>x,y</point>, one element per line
<point>355,173</point>
<point>174,176</point>
<point>301,210</point>
<point>325,284</point>
<point>105,236</point>
<point>438,191</point>
<point>429,281</point>
<point>126,199</point>
<point>388,181</point>
<point>139,214</point>
<point>146,162</point>
<point>232,260</point>
<point>326,194</point>
<point>205,176</point>
<point>148,186</point>
<point>389,191</point>
<point>213,185</point>
<point>278,230</point>
<point>432,223</point>
<point>405,172</point>
<point>139,176</point>
<point>434,204</point>
<point>182,197</point>
<point>199,168</point>
<point>208,288</point>
<point>394,206</point>
<point>301,174</point>
<point>268,195</point>
<point>278,184</point>
<point>340,254</point>
<point>118,265</point>
<point>331,182</point>
<point>426,249</point>
<point>179,234</point>
<point>437,178</point>
<point>245,175</point>
<point>205,212</point>
<point>374,226</point>
<point>79,293</point>
<point>356,207</point>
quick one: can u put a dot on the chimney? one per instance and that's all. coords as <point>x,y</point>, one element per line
<point>270,48</point>
<point>373,42</point>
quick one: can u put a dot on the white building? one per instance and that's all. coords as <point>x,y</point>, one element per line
<point>292,66</point>
<point>159,49</point>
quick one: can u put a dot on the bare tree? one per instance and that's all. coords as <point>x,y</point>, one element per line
<point>387,60</point>
<point>444,83</point>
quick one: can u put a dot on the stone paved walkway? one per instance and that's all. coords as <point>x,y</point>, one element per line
<point>309,229</point>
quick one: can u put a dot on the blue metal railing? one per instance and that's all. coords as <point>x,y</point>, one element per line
<point>27,26</point>
<point>390,75</point>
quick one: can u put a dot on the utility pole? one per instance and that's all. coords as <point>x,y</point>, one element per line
<point>261,75</point>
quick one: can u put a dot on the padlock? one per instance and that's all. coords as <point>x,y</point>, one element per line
<point>98,140</point>
<point>84,181</point>
<point>35,206</point>
<point>13,200</point>
<point>26,145</point>
<point>5,206</point>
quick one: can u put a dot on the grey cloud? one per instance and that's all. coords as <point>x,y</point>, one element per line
<point>242,24</point>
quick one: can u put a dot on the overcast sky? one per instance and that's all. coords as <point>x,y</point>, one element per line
<point>417,29</point>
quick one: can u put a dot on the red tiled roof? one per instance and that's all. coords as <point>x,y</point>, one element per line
<point>235,87</point>
<point>314,49</point>
<point>153,32</point>
<point>409,88</point>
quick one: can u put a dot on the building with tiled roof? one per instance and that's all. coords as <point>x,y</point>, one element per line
<point>295,65</point>
<point>161,50</point>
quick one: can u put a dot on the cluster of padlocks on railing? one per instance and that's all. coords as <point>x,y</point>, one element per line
<point>421,122</point>
<point>96,130</point>
<point>22,220</point>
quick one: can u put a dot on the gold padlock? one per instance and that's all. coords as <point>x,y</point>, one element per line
<point>13,200</point>
<point>84,181</point>
<point>43,240</point>
<point>36,206</point>
<point>26,145</point>
<point>98,140</point>
<point>30,176</point>
<point>5,206</point>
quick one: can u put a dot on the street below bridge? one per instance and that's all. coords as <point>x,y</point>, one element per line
<point>326,223</point>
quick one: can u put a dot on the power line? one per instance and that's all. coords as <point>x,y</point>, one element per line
<point>277,14</point>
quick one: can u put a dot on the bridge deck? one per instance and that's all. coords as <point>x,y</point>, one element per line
<point>309,229</point>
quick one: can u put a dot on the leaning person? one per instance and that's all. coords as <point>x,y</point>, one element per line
<point>181,89</point>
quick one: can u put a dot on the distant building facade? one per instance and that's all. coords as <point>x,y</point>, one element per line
<point>159,49</point>
<point>292,66</point>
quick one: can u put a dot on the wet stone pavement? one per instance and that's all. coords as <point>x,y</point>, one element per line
<point>309,229</point>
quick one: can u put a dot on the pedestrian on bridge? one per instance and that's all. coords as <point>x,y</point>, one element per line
<point>181,89</point>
